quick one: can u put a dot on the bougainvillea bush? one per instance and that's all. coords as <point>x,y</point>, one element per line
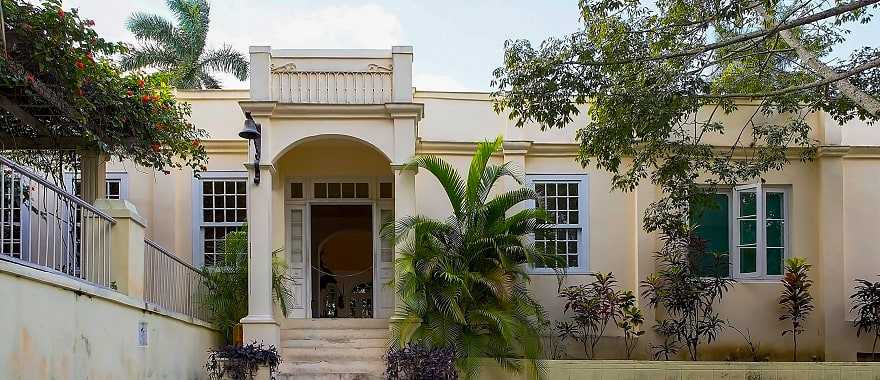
<point>56,64</point>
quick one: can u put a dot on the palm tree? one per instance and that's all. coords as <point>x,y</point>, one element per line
<point>462,282</point>
<point>180,49</point>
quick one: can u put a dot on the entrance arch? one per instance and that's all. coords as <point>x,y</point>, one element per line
<point>340,177</point>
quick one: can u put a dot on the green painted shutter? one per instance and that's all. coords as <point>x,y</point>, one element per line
<point>713,225</point>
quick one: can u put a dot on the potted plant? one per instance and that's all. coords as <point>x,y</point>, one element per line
<point>249,362</point>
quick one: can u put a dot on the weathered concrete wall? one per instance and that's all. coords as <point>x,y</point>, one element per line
<point>54,327</point>
<point>624,369</point>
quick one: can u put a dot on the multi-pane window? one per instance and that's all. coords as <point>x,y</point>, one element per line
<point>223,209</point>
<point>748,224</point>
<point>115,185</point>
<point>10,215</point>
<point>564,199</point>
<point>342,190</point>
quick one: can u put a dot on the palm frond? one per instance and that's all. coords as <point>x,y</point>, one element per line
<point>193,19</point>
<point>227,60</point>
<point>148,55</point>
<point>151,27</point>
<point>448,177</point>
<point>484,152</point>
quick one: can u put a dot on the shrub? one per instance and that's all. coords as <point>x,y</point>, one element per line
<point>241,362</point>
<point>631,320</point>
<point>594,306</point>
<point>462,281</point>
<point>866,305</point>
<point>686,293</point>
<point>418,362</point>
<point>227,284</point>
<point>796,301</point>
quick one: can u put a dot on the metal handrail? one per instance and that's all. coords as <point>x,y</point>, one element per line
<point>169,254</point>
<point>51,186</point>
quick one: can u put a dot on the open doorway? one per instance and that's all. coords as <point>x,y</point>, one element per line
<point>342,261</point>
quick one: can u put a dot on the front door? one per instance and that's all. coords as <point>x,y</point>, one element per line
<point>341,242</point>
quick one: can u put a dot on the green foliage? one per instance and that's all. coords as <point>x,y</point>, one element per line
<point>594,306</point>
<point>462,281</point>
<point>227,284</point>
<point>56,57</point>
<point>796,301</point>
<point>866,305</point>
<point>656,80</point>
<point>631,320</point>
<point>179,50</point>
<point>681,288</point>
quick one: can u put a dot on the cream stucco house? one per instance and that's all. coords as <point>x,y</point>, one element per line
<point>337,125</point>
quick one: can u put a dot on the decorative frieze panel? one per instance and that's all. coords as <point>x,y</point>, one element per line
<point>369,86</point>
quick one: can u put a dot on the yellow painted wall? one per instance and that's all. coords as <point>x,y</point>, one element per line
<point>454,122</point>
<point>54,327</point>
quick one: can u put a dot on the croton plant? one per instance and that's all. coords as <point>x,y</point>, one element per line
<point>57,69</point>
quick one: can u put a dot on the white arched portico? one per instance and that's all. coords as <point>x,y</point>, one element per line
<point>303,97</point>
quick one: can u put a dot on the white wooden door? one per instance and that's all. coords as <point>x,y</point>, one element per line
<point>297,261</point>
<point>383,262</point>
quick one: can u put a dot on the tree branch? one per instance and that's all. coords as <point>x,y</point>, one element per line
<point>859,97</point>
<point>828,13</point>
<point>827,80</point>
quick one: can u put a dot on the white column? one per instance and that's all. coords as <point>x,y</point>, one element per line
<point>832,286</point>
<point>259,325</point>
<point>401,67</point>
<point>259,73</point>
<point>93,176</point>
<point>126,246</point>
<point>404,205</point>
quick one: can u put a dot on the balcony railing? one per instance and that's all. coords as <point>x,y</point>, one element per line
<point>44,226</point>
<point>328,87</point>
<point>171,283</point>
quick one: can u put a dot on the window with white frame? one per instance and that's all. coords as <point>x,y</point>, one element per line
<point>564,197</point>
<point>219,207</point>
<point>115,185</point>
<point>750,223</point>
<point>11,226</point>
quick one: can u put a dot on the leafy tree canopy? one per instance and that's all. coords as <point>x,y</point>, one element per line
<point>660,77</point>
<point>180,50</point>
<point>61,90</point>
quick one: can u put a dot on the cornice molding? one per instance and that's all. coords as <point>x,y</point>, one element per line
<point>225,146</point>
<point>275,109</point>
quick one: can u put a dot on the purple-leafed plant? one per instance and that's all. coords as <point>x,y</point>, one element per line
<point>796,301</point>
<point>866,305</point>
<point>417,362</point>
<point>235,362</point>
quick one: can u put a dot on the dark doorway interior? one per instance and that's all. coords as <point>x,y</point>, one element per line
<point>342,261</point>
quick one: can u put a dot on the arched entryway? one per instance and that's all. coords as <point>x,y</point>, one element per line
<point>338,191</point>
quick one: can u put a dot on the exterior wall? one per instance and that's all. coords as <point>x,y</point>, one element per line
<point>841,178</point>
<point>54,327</point>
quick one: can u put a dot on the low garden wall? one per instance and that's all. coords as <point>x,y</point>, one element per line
<point>634,370</point>
<point>55,327</point>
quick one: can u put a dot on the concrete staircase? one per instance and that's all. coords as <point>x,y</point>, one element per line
<point>333,349</point>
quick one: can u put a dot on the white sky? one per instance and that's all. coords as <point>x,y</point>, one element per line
<point>457,42</point>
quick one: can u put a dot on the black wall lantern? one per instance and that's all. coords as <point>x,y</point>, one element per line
<point>252,132</point>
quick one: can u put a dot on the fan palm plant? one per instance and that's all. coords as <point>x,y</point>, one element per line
<point>180,49</point>
<point>462,281</point>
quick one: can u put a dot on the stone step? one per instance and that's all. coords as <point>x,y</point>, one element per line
<point>334,323</point>
<point>301,354</point>
<point>336,342</point>
<point>371,333</point>
<point>329,376</point>
<point>352,367</point>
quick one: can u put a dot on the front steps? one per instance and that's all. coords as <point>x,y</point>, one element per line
<point>333,349</point>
